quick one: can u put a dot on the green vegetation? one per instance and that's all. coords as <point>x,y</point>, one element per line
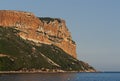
<point>19,54</point>
<point>6,64</point>
<point>48,19</point>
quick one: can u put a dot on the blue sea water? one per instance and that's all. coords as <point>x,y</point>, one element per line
<point>109,76</point>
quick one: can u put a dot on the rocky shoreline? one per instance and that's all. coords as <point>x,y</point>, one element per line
<point>40,71</point>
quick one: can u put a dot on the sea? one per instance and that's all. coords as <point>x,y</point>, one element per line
<point>99,76</point>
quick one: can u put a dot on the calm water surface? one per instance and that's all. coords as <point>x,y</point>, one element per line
<point>61,77</point>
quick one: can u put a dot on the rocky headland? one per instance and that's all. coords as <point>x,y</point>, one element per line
<point>30,43</point>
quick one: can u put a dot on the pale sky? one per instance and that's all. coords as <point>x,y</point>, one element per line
<point>94,24</point>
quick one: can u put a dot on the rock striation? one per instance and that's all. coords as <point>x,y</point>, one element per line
<point>46,30</point>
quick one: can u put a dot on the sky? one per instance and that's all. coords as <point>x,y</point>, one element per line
<point>94,25</point>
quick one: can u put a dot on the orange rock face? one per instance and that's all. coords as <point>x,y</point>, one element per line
<point>39,30</point>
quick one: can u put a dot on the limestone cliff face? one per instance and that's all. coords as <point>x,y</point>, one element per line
<point>39,30</point>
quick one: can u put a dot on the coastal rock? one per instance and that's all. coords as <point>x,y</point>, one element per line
<point>37,44</point>
<point>40,30</point>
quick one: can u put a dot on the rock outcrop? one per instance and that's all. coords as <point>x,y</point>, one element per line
<point>19,55</point>
<point>40,30</point>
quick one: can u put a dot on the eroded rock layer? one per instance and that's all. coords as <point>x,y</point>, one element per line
<point>40,30</point>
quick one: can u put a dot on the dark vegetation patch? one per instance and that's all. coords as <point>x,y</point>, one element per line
<point>48,19</point>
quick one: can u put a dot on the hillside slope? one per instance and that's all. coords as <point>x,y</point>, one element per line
<point>18,54</point>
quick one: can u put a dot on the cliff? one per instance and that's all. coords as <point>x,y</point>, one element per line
<point>30,43</point>
<point>43,30</point>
